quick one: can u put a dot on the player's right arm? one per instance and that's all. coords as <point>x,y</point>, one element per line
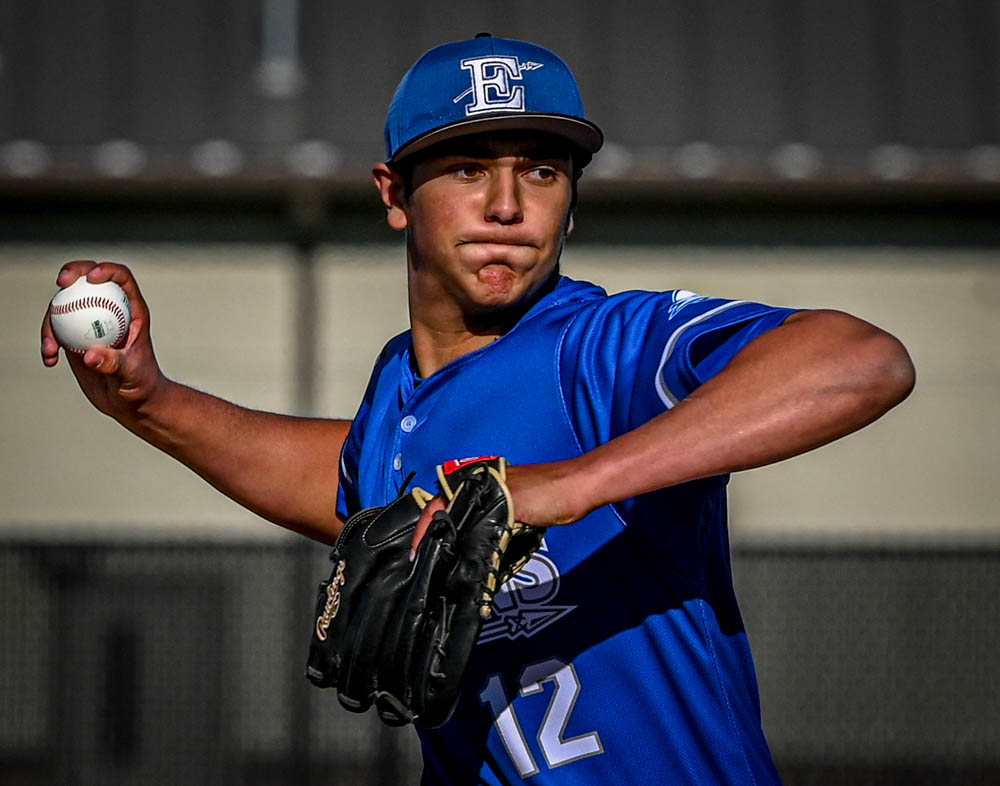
<point>281,467</point>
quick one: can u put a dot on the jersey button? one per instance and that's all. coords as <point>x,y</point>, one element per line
<point>397,462</point>
<point>408,423</point>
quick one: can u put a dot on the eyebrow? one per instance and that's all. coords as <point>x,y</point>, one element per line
<point>486,149</point>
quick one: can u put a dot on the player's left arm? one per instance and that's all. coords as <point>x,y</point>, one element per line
<point>818,376</point>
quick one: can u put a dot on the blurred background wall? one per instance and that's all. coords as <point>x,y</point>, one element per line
<point>806,153</point>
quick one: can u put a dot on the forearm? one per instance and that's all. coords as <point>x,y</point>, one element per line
<point>283,468</point>
<point>816,378</point>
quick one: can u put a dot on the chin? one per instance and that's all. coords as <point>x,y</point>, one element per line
<point>499,288</point>
<point>498,280</point>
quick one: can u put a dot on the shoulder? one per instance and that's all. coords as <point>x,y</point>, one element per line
<point>395,347</point>
<point>616,312</point>
<point>393,356</point>
<point>575,300</point>
<point>676,309</point>
<point>388,366</point>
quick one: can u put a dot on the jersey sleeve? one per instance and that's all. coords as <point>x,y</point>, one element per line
<point>640,353</point>
<point>349,489</point>
<point>348,498</point>
<point>704,335</point>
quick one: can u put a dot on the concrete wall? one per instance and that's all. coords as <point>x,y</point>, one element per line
<point>224,321</point>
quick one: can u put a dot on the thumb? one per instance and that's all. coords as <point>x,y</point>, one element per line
<point>432,507</point>
<point>102,359</point>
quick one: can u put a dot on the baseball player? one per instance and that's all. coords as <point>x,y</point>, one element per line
<point>617,655</point>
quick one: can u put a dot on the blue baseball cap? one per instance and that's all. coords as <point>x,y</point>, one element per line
<point>486,84</point>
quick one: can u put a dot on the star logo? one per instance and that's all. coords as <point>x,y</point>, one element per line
<point>523,606</point>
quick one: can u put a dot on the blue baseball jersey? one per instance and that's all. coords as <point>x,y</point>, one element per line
<point>617,655</point>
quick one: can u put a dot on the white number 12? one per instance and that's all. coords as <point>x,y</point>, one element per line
<point>557,751</point>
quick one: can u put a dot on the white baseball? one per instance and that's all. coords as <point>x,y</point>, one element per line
<point>85,315</point>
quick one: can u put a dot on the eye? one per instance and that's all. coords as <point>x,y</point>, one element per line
<point>543,174</point>
<point>466,171</point>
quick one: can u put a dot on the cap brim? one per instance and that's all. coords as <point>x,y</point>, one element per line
<point>584,135</point>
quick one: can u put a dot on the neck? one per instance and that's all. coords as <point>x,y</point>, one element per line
<point>445,334</point>
<point>433,348</point>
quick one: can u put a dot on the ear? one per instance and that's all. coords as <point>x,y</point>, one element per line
<point>569,226</point>
<point>390,185</point>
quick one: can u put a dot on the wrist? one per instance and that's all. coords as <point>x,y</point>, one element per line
<point>582,484</point>
<point>614,472</point>
<point>153,412</point>
<point>591,470</point>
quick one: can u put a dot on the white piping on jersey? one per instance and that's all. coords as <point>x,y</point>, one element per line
<point>666,396</point>
<point>343,467</point>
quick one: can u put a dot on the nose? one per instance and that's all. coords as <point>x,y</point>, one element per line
<point>503,200</point>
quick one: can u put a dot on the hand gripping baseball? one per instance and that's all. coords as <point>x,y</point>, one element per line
<point>115,379</point>
<point>399,634</point>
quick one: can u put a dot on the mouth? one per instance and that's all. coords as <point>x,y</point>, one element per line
<point>489,254</point>
<point>492,241</point>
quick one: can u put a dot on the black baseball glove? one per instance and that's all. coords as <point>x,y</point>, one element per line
<point>399,634</point>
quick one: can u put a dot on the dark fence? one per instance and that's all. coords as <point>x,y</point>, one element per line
<point>864,90</point>
<point>168,664</point>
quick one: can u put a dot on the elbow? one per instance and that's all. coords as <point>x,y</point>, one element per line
<point>884,368</point>
<point>895,370</point>
<point>874,369</point>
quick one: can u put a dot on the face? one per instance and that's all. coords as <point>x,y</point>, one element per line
<point>486,217</point>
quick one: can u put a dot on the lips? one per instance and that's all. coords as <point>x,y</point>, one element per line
<point>492,241</point>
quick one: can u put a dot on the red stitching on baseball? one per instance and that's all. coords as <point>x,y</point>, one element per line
<point>96,302</point>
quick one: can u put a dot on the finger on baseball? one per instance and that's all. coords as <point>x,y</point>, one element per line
<point>120,274</point>
<point>424,522</point>
<point>49,345</point>
<point>71,271</point>
<point>101,272</point>
<point>135,328</point>
<point>50,351</point>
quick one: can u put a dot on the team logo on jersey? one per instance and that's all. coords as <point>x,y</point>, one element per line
<point>491,88</point>
<point>522,606</point>
<point>682,298</point>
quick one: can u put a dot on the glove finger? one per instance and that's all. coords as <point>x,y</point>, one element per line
<point>338,600</point>
<point>404,639</point>
<point>435,677</point>
<point>450,633</point>
<point>368,624</point>
<point>447,635</point>
<point>356,679</point>
<point>364,635</point>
